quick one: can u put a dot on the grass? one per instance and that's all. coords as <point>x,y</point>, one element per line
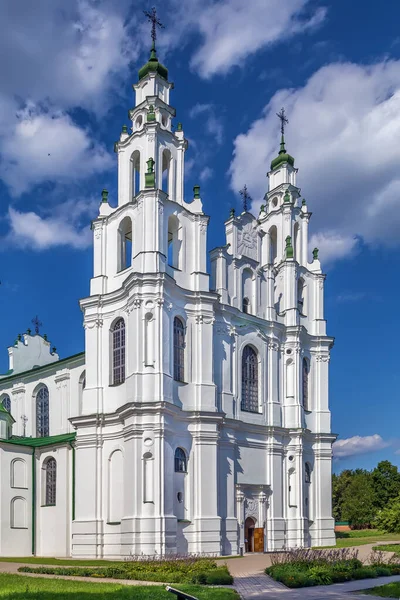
<point>346,539</point>
<point>388,548</point>
<point>390,590</point>
<point>17,587</point>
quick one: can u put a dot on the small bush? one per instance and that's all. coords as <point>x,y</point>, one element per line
<point>364,573</point>
<point>382,571</point>
<point>338,576</point>
<point>296,580</point>
<point>219,577</point>
<point>320,574</point>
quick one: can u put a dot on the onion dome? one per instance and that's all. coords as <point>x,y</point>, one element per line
<point>153,66</point>
<point>283,157</point>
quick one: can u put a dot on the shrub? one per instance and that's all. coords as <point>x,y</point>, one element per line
<point>219,577</point>
<point>364,573</point>
<point>338,576</point>
<point>320,574</point>
<point>296,580</point>
<point>383,571</point>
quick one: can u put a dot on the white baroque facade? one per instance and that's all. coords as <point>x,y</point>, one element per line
<point>197,420</point>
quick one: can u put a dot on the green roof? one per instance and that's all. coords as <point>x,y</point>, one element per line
<point>63,438</point>
<point>39,369</point>
<point>4,410</point>
<point>153,66</point>
<point>283,157</point>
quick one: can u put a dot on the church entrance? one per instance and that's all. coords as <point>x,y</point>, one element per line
<point>254,536</point>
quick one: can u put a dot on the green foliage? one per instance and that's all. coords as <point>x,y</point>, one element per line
<point>359,495</point>
<point>16,587</point>
<point>320,574</point>
<point>391,590</point>
<point>358,500</point>
<point>364,573</point>
<point>386,483</point>
<point>388,548</point>
<point>388,519</point>
<point>202,571</point>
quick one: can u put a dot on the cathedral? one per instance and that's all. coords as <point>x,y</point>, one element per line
<point>197,418</point>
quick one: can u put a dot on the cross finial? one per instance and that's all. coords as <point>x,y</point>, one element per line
<point>37,324</point>
<point>283,119</point>
<point>24,420</point>
<point>246,198</point>
<point>155,21</point>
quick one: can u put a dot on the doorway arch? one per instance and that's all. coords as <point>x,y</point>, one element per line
<point>249,527</point>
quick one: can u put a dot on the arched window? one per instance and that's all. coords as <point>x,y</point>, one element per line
<point>180,461</point>
<point>42,412</point>
<point>249,380</point>
<point>273,244</point>
<point>125,244</point>
<point>179,349</point>
<point>247,290</point>
<point>174,243</point>
<point>50,468</point>
<point>300,296</point>
<point>6,402</point>
<point>167,172</point>
<point>135,159</point>
<point>118,351</point>
<point>296,242</point>
<point>306,371</point>
<point>82,385</point>
<point>307,473</point>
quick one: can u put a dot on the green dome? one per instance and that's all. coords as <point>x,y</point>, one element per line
<point>283,157</point>
<point>153,66</point>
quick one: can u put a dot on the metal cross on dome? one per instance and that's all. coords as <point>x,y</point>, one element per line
<point>283,118</point>
<point>246,198</point>
<point>155,21</point>
<point>37,324</point>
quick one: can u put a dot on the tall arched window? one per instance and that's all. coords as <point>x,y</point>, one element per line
<point>247,290</point>
<point>118,351</point>
<point>249,380</point>
<point>306,371</point>
<point>50,468</point>
<point>307,477</point>
<point>301,296</point>
<point>180,461</point>
<point>174,243</point>
<point>6,402</point>
<point>135,159</point>
<point>42,412</point>
<point>296,242</point>
<point>125,244</point>
<point>246,305</point>
<point>179,349</point>
<point>167,172</point>
<point>273,241</point>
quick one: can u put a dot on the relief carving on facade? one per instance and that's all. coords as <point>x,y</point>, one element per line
<point>247,241</point>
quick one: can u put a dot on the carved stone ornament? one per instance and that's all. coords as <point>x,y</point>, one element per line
<point>247,241</point>
<point>251,508</point>
<point>273,345</point>
<point>97,231</point>
<point>322,358</point>
<point>151,137</point>
<point>95,323</point>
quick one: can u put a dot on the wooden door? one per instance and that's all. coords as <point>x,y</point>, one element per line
<point>258,539</point>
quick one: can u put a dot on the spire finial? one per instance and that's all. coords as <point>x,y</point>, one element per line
<point>37,324</point>
<point>155,22</point>
<point>246,198</point>
<point>284,121</point>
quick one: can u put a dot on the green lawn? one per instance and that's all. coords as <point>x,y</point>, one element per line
<point>17,587</point>
<point>388,548</point>
<point>37,560</point>
<point>391,590</point>
<point>367,536</point>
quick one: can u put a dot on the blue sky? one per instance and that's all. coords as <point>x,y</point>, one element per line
<point>64,94</point>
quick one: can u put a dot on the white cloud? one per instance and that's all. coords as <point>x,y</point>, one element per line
<point>206,174</point>
<point>358,445</point>
<point>206,114</point>
<point>232,30</point>
<point>333,245</point>
<point>41,232</point>
<point>350,297</point>
<point>343,131</point>
<point>48,146</point>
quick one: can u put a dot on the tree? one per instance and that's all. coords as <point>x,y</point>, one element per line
<point>339,485</point>
<point>358,499</point>
<point>386,484</point>
<point>388,519</point>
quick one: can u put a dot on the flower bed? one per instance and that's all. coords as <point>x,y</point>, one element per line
<point>302,568</point>
<point>190,570</point>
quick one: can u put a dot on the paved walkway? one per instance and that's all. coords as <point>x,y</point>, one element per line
<point>250,580</point>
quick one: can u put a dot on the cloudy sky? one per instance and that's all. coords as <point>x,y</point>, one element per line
<point>65,88</point>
